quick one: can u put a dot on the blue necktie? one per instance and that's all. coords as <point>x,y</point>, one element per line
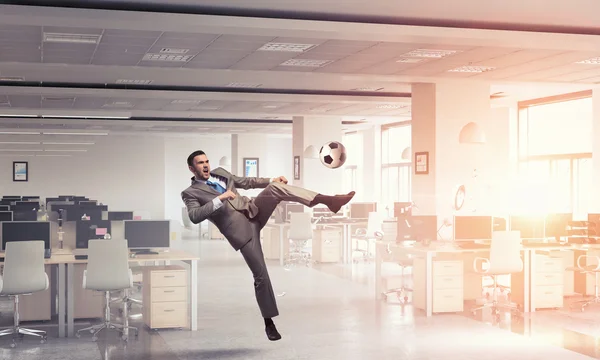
<point>216,186</point>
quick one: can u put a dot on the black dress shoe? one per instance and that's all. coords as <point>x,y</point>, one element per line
<point>272,332</point>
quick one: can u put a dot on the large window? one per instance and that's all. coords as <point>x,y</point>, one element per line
<point>353,142</point>
<point>555,146</point>
<point>395,168</point>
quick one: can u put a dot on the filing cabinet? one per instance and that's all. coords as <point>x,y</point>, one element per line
<point>165,297</point>
<point>326,245</point>
<point>270,242</point>
<point>547,284</point>
<point>447,285</point>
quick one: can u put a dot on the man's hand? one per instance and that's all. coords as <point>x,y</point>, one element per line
<point>227,195</point>
<point>280,179</point>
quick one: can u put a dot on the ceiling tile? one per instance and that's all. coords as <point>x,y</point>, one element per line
<point>116,59</point>
<point>66,60</point>
<point>89,102</point>
<point>163,64</point>
<point>21,56</point>
<point>120,48</point>
<point>210,64</point>
<point>25,101</point>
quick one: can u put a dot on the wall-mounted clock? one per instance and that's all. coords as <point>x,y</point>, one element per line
<point>459,197</point>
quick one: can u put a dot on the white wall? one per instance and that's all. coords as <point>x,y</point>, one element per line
<point>125,172</point>
<point>274,155</point>
<point>176,173</point>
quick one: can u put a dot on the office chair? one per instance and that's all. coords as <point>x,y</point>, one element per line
<point>300,233</point>
<point>588,269</point>
<point>107,270</point>
<point>505,259</point>
<point>23,274</point>
<point>405,261</point>
<point>371,233</point>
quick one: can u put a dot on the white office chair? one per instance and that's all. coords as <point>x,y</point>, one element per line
<point>107,270</point>
<point>369,235</point>
<point>300,233</point>
<point>505,259</point>
<point>24,274</point>
<point>588,269</point>
<point>405,261</point>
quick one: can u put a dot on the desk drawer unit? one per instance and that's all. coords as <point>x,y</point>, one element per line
<point>548,279</point>
<point>166,297</point>
<point>448,283</point>
<point>326,245</point>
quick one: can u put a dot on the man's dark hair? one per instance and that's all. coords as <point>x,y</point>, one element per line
<point>190,159</point>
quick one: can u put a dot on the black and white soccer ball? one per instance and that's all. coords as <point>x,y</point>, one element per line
<point>333,154</point>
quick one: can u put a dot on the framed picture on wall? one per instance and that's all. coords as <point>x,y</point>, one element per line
<point>20,171</point>
<point>296,167</point>
<point>251,167</point>
<point>422,163</point>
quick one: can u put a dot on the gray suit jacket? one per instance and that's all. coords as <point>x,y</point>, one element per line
<point>232,218</point>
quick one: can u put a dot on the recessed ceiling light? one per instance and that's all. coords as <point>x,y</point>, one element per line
<point>243,85</point>
<point>58,98</point>
<point>286,47</point>
<point>19,142</point>
<point>67,143</point>
<point>592,61</point>
<point>118,104</point>
<point>202,129</point>
<point>429,53</point>
<point>19,133</point>
<point>167,57</point>
<point>17,150</point>
<point>207,108</point>
<point>390,106</point>
<point>16,115</point>
<point>368,89</point>
<point>275,105</point>
<point>52,155</point>
<point>173,51</point>
<point>83,117</point>
<point>472,69</point>
<point>12,78</point>
<point>72,38</point>
<point>306,62</point>
<point>134,82</point>
<point>410,60</point>
<point>75,133</point>
<point>158,129</point>
<point>187,101</point>
<point>65,150</point>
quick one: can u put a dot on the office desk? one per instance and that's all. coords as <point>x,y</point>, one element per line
<point>171,255</point>
<point>429,252</point>
<point>346,236</point>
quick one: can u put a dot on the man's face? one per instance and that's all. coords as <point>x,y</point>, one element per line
<point>201,167</point>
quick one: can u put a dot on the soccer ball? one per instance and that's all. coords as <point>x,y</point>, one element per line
<point>333,154</point>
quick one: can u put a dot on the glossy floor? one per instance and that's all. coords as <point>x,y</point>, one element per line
<point>327,312</point>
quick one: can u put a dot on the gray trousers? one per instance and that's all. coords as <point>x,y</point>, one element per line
<point>267,201</point>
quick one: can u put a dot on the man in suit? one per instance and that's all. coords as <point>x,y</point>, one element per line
<point>213,196</point>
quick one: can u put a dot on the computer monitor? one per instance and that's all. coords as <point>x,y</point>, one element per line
<point>90,230</point>
<point>6,216</point>
<point>120,215</point>
<point>7,202</point>
<point>87,202</point>
<point>556,225</point>
<point>30,198</point>
<point>26,231</point>
<point>362,210</point>
<point>26,206</point>
<point>500,224</point>
<point>19,215</point>
<point>419,228</point>
<point>473,227</point>
<point>4,207</point>
<point>11,197</point>
<point>293,208</point>
<point>143,235</point>
<point>594,224</point>
<point>531,227</point>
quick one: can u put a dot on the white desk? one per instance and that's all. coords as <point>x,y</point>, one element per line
<point>429,252</point>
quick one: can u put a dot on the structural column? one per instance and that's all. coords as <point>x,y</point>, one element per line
<point>594,206</point>
<point>467,145</point>
<point>315,131</point>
